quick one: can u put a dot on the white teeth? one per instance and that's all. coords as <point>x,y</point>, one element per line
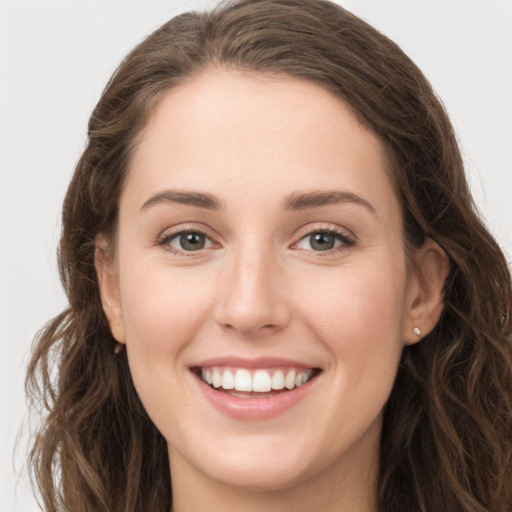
<point>228,381</point>
<point>243,380</point>
<point>207,376</point>
<point>289,381</point>
<point>217,379</point>
<point>261,381</point>
<point>278,380</point>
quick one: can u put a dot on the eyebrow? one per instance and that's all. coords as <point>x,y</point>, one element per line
<point>316,199</point>
<point>296,201</point>
<point>197,199</point>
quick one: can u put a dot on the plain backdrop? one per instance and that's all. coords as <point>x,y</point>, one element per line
<point>55,58</point>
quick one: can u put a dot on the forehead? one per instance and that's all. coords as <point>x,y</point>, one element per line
<point>267,133</point>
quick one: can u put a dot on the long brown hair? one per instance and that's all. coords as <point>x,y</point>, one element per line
<point>447,435</point>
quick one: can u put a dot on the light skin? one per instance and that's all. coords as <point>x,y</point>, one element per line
<point>297,253</point>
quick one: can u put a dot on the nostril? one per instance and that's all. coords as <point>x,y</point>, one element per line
<point>252,329</point>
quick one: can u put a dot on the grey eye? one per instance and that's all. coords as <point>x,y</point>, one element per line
<point>321,241</point>
<point>189,241</point>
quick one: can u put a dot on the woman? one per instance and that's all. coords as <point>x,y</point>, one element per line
<point>280,292</point>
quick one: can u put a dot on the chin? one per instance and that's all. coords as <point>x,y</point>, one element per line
<point>254,474</point>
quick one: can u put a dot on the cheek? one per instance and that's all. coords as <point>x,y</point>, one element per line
<point>359,313</point>
<point>162,309</point>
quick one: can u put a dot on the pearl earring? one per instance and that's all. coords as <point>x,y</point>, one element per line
<point>118,348</point>
<point>416,331</point>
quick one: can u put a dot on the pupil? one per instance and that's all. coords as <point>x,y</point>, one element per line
<point>322,241</point>
<point>192,241</point>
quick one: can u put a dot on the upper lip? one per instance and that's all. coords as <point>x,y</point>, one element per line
<point>260,362</point>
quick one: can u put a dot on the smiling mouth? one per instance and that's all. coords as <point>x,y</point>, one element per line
<point>255,383</point>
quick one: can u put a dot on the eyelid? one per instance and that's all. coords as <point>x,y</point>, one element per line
<point>169,233</point>
<point>348,238</point>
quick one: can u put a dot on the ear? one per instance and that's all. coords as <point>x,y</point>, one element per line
<point>425,297</point>
<point>108,287</point>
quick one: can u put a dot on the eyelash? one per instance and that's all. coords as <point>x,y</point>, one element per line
<point>345,241</point>
<point>166,240</point>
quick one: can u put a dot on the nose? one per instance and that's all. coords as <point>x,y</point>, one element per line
<point>253,299</point>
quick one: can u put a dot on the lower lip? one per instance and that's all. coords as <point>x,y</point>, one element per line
<point>254,408</point>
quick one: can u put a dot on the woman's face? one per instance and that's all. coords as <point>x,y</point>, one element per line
<point>260,246</point>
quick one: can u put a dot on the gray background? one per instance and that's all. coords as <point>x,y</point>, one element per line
<point>56,56</point>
